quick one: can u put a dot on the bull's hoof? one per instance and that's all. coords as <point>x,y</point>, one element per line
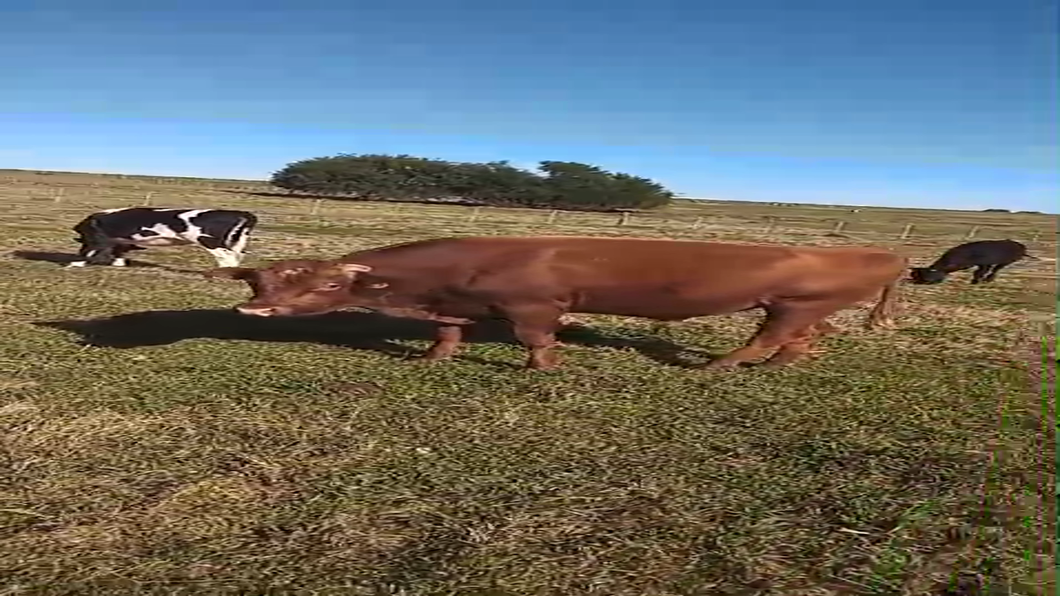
<point>775,364</point>
<point>720,365</point>
<point>429,358</point>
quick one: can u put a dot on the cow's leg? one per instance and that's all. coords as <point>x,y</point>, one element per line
<point>239,246</point>
<point>795,324</point>
<point>94,253</point>
<point>992,274</point>
<point>445,344</point>
<point>224,255</point>
<point>535,327</point>
<point>119,253</point>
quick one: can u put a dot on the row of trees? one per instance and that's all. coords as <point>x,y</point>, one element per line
<point>555,185</point>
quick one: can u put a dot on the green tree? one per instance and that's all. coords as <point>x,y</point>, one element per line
<point>581,186</point>
<point>558,184</point>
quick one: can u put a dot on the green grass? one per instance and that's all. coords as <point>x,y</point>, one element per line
<point>153,443</point>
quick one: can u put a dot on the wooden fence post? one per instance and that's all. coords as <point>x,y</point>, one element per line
<point>906,231</point>
<point>147,198</point>
<point>315,208</point>
<point>971,233</point>
<point>624,219</point>
<point>698,223</point>
<point>58,195</point>
<point>771,225</point>
<point>839,225</point>
<point>474,215</point>
<point>552,215</point>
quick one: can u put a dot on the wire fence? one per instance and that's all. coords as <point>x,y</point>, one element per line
<point>76,198</point>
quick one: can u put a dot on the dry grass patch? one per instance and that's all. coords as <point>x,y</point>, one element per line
<point>153,443</point>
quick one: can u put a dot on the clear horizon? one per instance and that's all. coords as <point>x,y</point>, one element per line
<point>951,106</point>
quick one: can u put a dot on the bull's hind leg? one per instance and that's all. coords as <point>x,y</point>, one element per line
<point>789,329</point>
<point>535,327</point>
<point>801,348</point>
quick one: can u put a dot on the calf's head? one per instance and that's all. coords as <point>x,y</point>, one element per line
<point>293,288</point>
<point>926,275</point>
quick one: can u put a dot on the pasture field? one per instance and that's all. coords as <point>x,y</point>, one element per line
<point>153,442</point>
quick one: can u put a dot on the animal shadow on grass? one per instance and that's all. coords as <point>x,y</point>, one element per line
<point>60,258</point>
<point>354,330</point>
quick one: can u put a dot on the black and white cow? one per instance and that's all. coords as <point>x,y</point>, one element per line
<point>987,256</point>
<point>108,235</point>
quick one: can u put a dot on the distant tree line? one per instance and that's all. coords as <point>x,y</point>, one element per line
<point>555,185</point>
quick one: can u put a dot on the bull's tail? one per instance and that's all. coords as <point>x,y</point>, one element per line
<point>882,315</point>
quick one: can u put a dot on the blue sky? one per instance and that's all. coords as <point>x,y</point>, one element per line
<point>950,103</point>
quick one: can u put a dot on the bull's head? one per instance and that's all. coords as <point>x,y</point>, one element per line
<point>293,288</point>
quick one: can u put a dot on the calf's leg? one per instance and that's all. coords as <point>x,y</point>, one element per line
<point>992,274</point>
<point>980,272</point>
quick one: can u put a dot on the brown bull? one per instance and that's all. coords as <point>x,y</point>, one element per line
<point>533,282</point>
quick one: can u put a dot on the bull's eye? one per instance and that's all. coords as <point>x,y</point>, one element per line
<point>331,286</point>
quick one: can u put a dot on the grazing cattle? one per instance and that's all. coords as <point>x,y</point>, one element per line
<point>533,281</point>
<point>107,236</point>
<point>987,256</point>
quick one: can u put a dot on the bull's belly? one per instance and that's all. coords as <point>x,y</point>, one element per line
<point>671,309</point>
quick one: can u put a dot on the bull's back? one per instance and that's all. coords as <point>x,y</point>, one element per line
<point>665,279</point>
<point>690,279</point>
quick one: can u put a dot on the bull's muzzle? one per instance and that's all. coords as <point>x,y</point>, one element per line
<point>263,311</point>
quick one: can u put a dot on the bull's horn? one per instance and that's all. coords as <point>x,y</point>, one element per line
<point>355,268</point>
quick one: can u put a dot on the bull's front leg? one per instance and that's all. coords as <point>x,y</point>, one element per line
<point>445,344</point>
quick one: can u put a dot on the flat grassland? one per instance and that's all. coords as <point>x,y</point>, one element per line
<point>152,442</point>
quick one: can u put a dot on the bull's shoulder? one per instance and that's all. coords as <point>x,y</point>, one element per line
<point>868,257</point>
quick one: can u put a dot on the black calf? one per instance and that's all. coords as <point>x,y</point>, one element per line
<point>987,256</point>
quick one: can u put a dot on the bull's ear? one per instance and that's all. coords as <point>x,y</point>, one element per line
<point>229,273</point>
<point>352,269</point>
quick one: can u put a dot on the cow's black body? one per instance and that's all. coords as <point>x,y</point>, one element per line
<point>107,236</point>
